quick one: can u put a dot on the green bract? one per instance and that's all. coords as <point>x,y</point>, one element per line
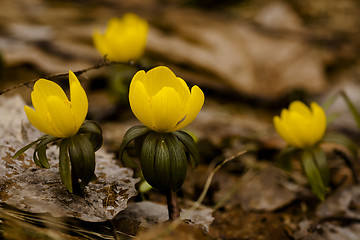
<point>163,156</point>
<point>76,156</point>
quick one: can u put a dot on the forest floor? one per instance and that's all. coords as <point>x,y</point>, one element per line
<point>251,59</point>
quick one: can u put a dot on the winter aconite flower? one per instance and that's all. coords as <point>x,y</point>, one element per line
<point>164,104</point>
<point>62,121</point>
<point>54,114</point>
<point>162,101</point>
<point>301,126</point>
<point>124,39</point>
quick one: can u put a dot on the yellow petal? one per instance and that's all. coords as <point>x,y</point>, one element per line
<point>160,77</point>
<point>61,117</point>
<point>284,132</point>
<point>42,90</point>
<point>48,88</point>
<point>281,130</point>
<point>131,18</point>
<point>301,128</point>
<point>193,107</point>
<point>79,101</point>
<point>288,125</point>
<point>140,30</point>
<point>136,35</point>
<point>319,121</point>
<point>139,76</point>
<point>166,107</point>
<point>300,107</point>
<point>39,103</point>
<point>100,43</point>
<point>115,26</point>
<point>140,101</point>
<point>183,89</point>
<point>39,122</point>
<point>124,39</point>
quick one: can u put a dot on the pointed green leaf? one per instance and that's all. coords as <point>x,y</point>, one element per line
<point>178,162</point>
<point>36,159</point>
<point>130,135</point>
<point>190,145</point>
<point>42,138</point>
<point>127,161</point>
<point>89,162</point>
<point>64,165</point>
<point>82,158</point>
<point>147,159</point>
<point>343,140</point>
<point>46,140</point>
<point>138,142</point>
<point>313,175</point>
<point>40,158</point>
<point>322,164</point>
<point>23,149</point>
<point>77,164</point>
<point>94,132</point>
<point>162,164</point>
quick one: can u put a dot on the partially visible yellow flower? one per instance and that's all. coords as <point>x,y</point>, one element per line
<point>124,39</point>
<point>162,101</point>
<point>301,126</point>
<point>54,114</point>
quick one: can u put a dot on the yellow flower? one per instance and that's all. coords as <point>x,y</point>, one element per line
<point>162,101</point>
<point>54,114</point>
<point>124,39</point>
<point>301,126</point>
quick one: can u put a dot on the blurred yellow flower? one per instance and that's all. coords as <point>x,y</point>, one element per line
<point>124,39</point>
<point>162,101</point>
<point>301,126</point>
<point>54,114</point>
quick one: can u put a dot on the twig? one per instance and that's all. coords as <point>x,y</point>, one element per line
<point>102,63</point>
<point>208,182</point>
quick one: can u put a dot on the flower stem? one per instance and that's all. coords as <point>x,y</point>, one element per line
<point>173,206</point>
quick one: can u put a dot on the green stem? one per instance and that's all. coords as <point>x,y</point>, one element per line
<point>173,206</point>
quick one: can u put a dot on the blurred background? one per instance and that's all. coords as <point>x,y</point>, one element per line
<point>250,57</point>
